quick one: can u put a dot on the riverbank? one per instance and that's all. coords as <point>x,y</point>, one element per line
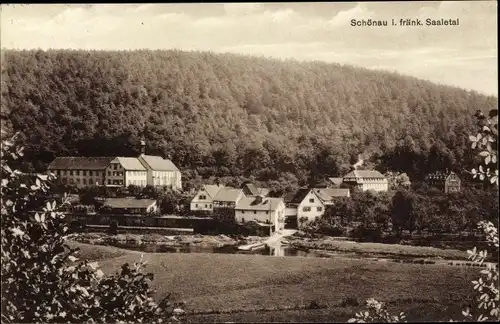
<point>330,244</point>
<point>233,287</point>
<point>174,241</point>
<point>229,244</point>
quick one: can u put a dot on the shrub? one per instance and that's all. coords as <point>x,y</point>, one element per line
<point>42,279</point>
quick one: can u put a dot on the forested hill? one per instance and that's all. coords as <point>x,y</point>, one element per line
<point>232,115</point>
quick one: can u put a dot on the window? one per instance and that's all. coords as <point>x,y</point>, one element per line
<point>63,172</point>
<point>90,173</point>
<point>242,211</point>
<point>77,172</point>
<point>242,220</point>
<point>209,205</point>
<point>320,209</point>
<point>109,173</point>
<point>203,197</point>
<point>83,181</point>
<point>196,205</point>
<point>84,173</point>
<point>255,212</point>
<point>109,181</point>
<point>267,212</point>
<point>306,209</point>
<point>70,172</point>
<point>206,205</point>
<point>311,200</point>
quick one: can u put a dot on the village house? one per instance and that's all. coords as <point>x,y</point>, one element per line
<point>126,171</point>
<point>328,195</point>
<point>261,210</point>
<point>366,180</point>
<point>80,171</point>
<point>225,201</point>
<point>204,198</point>
<point>129,206</point>
<point>445,181</point>
<point>161,172</point>
<point>305,206</point>
<point>251,190</point>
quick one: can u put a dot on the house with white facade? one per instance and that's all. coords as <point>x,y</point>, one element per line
<point>161,172</point>
<point>126,171</point>
<point>307,206</point>
<point>204,198</point>
<point>261,210</point>
<point>366,180</point>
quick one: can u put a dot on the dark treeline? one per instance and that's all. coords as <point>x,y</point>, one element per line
<point>225,115</point>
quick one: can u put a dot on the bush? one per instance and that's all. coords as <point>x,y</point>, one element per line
<point>42,279</point>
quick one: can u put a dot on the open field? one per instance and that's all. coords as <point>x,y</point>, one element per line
<point>261,288</point>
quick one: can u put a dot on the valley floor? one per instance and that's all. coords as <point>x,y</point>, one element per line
<point>234,287</point>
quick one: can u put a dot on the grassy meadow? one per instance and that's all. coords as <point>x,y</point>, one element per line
<point>234,287</point>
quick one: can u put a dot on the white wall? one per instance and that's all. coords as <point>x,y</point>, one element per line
<point>311,201</point>
<point>136,178</point>
<point>201,204</point>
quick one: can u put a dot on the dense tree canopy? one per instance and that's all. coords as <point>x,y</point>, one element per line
<point>226,115</point>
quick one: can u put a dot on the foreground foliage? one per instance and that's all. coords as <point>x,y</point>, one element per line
<point>42,278</point>
<point>487,301</point>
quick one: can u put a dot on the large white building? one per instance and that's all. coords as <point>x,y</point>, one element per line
<point>161,172</point>
<point>366,180</point>
<point>126,171</point>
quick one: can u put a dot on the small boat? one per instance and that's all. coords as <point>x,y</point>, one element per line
<point>251,247</point>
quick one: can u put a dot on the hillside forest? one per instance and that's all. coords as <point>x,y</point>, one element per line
<point>228,116</point>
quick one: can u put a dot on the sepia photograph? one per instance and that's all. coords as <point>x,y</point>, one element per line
<point>273,162</point>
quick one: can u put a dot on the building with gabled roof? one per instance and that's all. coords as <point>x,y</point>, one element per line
<point>328,195</point>
<point>129,206</point>
<point>225,201</point>
<point>305,206</point>
<point>261,209</point>
<point>161,172</point>
<point>126,171</point>
<point>445,181</point>
<point>204,198</point>
<point>80,171</point>
<point>366,180</point>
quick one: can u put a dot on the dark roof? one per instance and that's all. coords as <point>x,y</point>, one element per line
<point>80,163</point>
<point>364,174</point>
<point>439,175</point>
<point>128,203</point>
<point>251,188</point>
<point>299,196</point>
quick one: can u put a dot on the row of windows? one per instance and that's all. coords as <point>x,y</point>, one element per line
<point>255,212</point>
<point>90,173</point>
<point>115,182</point>
<point>115,174</point>
<point>206,205</point>
<point>308,209</point>
<point>83,181</point>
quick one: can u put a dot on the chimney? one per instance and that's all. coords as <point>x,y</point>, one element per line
<point>143,147</point>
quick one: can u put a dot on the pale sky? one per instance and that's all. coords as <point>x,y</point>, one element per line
<point>463,56</point>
